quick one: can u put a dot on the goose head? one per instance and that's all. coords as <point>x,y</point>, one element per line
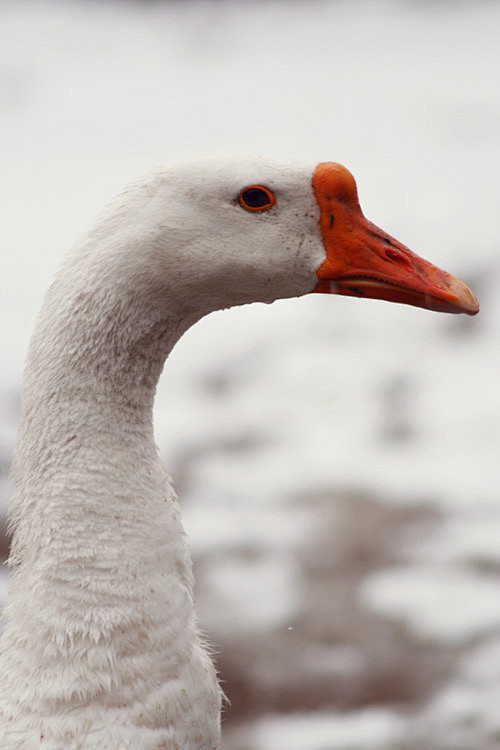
<point>230,231</point>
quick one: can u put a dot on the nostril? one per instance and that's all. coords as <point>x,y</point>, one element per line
<point>398,258</point>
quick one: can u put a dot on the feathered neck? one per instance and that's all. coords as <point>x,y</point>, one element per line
<point>103,575</point>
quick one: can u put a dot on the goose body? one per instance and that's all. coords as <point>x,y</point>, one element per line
<point>101,648</point>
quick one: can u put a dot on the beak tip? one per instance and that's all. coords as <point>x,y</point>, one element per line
<point>465,298</point>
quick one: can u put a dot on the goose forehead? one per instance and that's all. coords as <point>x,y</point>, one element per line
<point>234,173</point>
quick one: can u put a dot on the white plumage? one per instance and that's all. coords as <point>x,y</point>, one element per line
<point>101,649</point>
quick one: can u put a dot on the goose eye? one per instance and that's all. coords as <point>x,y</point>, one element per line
<point>256,198</point>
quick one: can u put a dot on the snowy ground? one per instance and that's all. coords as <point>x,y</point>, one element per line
<point>337,459</point>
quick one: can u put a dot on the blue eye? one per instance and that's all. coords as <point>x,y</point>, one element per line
<point>256,198</point>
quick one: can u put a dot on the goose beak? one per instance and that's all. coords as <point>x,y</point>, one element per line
<point>363,261</point>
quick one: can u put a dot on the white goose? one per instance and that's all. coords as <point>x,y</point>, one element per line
<point>100,647</point>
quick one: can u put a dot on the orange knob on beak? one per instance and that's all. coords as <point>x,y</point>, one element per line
<point>363,261</point>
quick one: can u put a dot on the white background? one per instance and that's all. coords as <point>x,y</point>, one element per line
<point>262,410</point>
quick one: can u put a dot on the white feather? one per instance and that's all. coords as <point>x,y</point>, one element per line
<point>100,648</point>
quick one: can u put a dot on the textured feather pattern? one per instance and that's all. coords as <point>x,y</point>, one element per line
<point>100,647</point>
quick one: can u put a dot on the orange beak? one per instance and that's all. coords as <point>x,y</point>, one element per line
<point>363,261</point>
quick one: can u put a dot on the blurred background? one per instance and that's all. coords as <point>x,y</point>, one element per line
<point>337,460</point>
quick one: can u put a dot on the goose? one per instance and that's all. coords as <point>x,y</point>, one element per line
<point>100,647</point>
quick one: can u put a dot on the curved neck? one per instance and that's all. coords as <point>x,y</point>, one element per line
<point>98,546</point>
